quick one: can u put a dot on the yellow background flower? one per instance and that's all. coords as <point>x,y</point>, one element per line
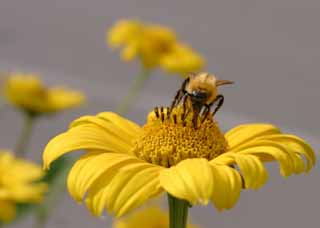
<point>27,92</point>
<point>146,218</point>
<point>154,45</point>
<point>125,164</point>
<point>19,183</point>
<point>182,60</point>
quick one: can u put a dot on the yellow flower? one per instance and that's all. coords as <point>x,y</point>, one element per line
<point>146,218</point>
<point>154,45</point>
<point>125,164</point>
<point>27,92</point>
<point>18,184</point>
<point>182,60</point>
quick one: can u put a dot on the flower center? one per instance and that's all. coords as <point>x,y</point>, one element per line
<point>169,138</point>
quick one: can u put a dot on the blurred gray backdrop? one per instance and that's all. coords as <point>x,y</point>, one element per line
<point>269,48</point>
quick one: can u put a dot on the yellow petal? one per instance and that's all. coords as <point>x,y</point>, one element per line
<point>16,168</point>
<point>27,192</point>
<point>129,53</point>
<point>190,179</point>
<point>19,168</point>
<point>132,186</point>
<point>86,136</point>
<point>227,185</point>
<point>286,159</point>
<point>287,149</point>
<point>112,123</point>
<point>60,98</point>
<point>123,188</point>
<point>298,145</point>
<point>246,132</point>
<point>123,32</point>
<point>182,59</point>
<point>92,166</point>
<point>251,168</point>
<point>124,124</point>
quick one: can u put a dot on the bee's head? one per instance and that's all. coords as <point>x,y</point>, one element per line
<point>202,87</point>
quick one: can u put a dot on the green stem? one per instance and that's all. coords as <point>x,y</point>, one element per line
<point>55,178</point>
<point>134,90</point>
<point>178,212</point>
<point>23,140</point>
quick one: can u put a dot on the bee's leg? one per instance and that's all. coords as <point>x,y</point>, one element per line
<point>183,115</point>
<point>176,99</point>
<point>185,111</point>
<point>205,113</point>
<point>196,108</point>
<point>168,112</point>
<point>195,119</point>
<point>220,100</point>
<point>181,92</point>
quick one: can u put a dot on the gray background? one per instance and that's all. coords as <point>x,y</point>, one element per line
<point>270,48</point>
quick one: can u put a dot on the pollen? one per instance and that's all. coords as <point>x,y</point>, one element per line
<point>169,138</point>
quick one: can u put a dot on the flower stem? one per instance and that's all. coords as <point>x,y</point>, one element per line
<point>134,90</point>
<point>23,140</point>
<point>55,178</point>
<point>178,212</point>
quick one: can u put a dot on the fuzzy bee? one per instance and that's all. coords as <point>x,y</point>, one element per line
<point>201,90</point>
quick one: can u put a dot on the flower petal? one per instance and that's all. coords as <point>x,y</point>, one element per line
<point>253,171</point>
<point>285,157</point>
<point>112,123</point>
<point>246,132</point>
<point>287,149</point>
<point>133,189</point>
<point>227,186</point>
<point>15,167</point>
<point>121,189</point>
<point>298,145</point>
<point>86,136</point>
<point>251,167</point>
<point>190,179</point>
<point>60,98</point>
<point>90,167</point>
<point>27,193</point>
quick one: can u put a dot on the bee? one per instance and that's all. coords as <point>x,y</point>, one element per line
<point>201,90</point>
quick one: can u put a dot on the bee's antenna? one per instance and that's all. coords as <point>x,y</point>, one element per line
<point>223,82</point>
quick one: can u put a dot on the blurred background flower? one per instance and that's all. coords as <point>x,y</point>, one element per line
<point>19,183</point>
<point>27,93</point>
<point>155,46</point>
<point>182,60</point>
